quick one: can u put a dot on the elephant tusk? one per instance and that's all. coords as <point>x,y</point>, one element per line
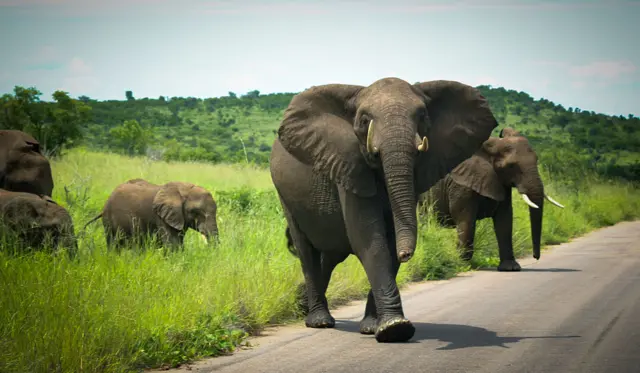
<point>424,146</point>
<point>553,201</point>
<point>204,238</point>
<point>528,201</point>
<point>370,147</point>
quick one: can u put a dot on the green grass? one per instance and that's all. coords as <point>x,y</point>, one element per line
<point>114,313</point>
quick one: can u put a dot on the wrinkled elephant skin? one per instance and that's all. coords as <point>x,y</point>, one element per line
<point>480,187</point>
<point>348,164</point>
<point>23,168</point>
<point>37,221</point>
<point>138,209</point>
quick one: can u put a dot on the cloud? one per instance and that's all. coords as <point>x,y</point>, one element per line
<point>78,66</point>
<point>80,78</point>
<point>579,84</point>
<point>437,6</point>
<point>44,58</point>
<point>79,85</point>
<point>604,69</point>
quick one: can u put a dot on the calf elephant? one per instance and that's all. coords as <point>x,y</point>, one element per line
<point>37,221</point>
<point>23,168</point>
<point>480,187</point>
<point>343,166</point>
<point>138,209</point>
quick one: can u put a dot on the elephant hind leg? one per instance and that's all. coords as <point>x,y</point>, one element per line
<point>328,264</point>
<point>316,282</point>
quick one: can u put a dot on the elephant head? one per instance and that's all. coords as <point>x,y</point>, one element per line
<point>501,164</point>
<point>185,205</point>
<point>23,167</point>
<point>407,136</point>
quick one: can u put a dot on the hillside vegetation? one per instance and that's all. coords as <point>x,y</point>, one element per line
<point>242,128</point>
<point>109,312</point>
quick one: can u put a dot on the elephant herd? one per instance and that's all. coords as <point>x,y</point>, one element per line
<point>350,165</point>
<point>134,212</point>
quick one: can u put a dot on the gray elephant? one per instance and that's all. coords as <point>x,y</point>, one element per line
<point>36,221</point>
<point>480,187</point>
<point>139,209</point>
<point>348,164</point>
<point>23,168</point>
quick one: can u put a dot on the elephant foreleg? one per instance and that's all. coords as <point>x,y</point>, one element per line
<point>503,228</point>
<point>367,234</point>
<point>464,213</point>
<point>466,235</point>
<point>369,322</point>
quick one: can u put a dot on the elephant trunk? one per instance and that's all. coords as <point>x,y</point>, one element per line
<point>209,230</point>
<point>533,189</point>
<point>398,167</point>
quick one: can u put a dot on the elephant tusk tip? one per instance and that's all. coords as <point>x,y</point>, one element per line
<point>424,145</point>
<point>528,201</point>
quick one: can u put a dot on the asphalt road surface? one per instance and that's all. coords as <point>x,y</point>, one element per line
<point>575,310</point>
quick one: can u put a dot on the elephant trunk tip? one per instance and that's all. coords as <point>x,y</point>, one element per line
<point>404,256</point>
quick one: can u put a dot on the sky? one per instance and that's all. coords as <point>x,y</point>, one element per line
<point>581,54</point>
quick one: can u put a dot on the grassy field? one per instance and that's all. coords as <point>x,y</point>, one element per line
<point>114,313</point>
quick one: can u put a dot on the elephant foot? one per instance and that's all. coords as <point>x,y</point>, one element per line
<point>397,329</point>
<point>368,325</point>
<point>320,319</point>
<point>509,265</point>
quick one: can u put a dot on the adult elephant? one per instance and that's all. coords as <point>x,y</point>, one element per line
<point>348,163</point>
<point>36,221</point>
<point>23,168</point>
<point>480,187</point>
<point>138,208</point>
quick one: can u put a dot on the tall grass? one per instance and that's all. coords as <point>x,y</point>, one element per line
<point>108,312</point>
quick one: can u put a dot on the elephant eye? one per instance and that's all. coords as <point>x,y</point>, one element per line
<point>364,122</point>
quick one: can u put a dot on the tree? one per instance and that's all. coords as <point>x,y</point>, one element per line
<point>252,94</point>
<point>130,137</point>
<point>56,126</point>
<point>129,95</point>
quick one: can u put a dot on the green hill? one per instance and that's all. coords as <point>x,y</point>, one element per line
<point>242,128</point>
<point>215,129</point>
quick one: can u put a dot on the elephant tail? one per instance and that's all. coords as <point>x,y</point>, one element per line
<point>91,221</point>
<point>290,247</point>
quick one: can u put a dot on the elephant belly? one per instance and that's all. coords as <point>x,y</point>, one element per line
<point>486,208</point>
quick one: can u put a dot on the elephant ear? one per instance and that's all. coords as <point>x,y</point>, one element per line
<point>317,129</point>
<point>167,203</point>
<point>477,173</point>
<point>461,121</point>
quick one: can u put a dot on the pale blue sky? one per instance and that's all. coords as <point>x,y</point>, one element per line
<point>577,53</point>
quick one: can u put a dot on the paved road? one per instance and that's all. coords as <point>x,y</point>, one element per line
<point>575,310</point>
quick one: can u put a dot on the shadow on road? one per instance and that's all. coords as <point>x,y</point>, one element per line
<point>457,336</point>
<point>528,269</point>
